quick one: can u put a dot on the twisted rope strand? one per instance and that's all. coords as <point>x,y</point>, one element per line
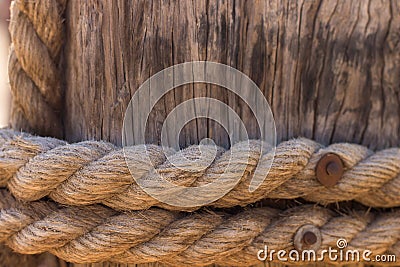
<point>37,26</point>
<point>96,233</point>
<point>96,172</point>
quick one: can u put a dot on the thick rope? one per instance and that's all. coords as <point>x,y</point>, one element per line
<point>36,29</point>
<point>96,233</point>
<point>96,172</point>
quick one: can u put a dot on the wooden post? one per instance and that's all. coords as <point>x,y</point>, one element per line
<point>329,69</point>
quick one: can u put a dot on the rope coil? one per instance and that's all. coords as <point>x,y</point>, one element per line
<point>33,167</point>
<point>93,172</point>
<point>96,233</point>
<point>36,29</point>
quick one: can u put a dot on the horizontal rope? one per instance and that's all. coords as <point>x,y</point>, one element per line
<point>97,233</point>
<point>96,172</point>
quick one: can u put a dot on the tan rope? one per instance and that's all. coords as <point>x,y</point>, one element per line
<point>95,172</point>
<point>96,233</point>
<point>37,36</point>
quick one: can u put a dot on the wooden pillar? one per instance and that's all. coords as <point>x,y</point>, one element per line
<point>329,69</point>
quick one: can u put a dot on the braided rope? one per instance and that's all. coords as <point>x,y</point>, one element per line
<point>96,172</point>
<point>96,233</point>
<point>37,36</point>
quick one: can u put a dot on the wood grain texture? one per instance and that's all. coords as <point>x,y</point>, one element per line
<point>8,258</point>
<point>329,69</point>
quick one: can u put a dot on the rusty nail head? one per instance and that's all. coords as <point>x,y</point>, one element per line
<point>329,169</point>
<point>309,238</point>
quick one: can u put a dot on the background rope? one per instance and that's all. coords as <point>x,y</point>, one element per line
<point>96,172</point>
<point>36,29</point>
<point>96,233</point>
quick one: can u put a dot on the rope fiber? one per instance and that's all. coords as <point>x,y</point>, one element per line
<point>93,172</point>
<point>37,30</point>
<point>96,233</point>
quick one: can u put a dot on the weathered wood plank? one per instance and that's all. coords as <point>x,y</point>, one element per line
<point>328,68</point>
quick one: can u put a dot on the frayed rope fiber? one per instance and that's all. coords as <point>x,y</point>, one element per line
<point>96,172</point>
<point>97,233</point>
